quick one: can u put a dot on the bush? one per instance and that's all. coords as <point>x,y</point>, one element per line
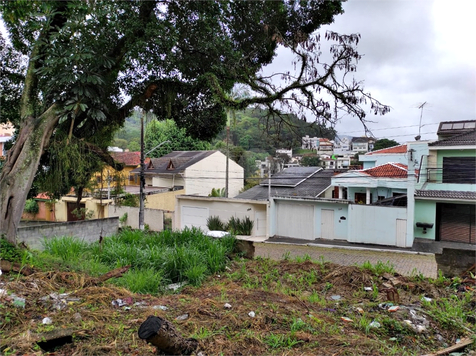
<point>238,226</point>
<point>31,207</point>
<point>129,200</point>
<point>215,224</point>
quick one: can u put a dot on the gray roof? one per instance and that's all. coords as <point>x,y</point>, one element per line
<point>464,139</point>
<point>445,194</point>
<point>302,182</point>
<point>174,162</point>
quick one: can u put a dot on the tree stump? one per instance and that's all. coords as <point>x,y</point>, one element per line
<point>163,335</point>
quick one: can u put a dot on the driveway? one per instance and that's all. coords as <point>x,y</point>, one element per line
<point>405,263</point>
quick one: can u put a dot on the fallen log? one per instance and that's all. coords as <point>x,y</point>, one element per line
<point>7,266</point>
<point>460,345</point>
<point>163,335</point>
<point>118,272</point>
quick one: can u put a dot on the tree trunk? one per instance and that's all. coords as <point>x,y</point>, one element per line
<point>163,335</point>
<point>20,168</point>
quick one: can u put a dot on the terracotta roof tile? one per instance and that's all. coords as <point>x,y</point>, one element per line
<point>388,170</point>
<point>128,158</point>
<point>394,149</point>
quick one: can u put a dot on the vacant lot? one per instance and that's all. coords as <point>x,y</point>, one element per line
<point>295,306</point>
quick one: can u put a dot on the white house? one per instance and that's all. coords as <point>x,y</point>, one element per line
<point>197,172</point>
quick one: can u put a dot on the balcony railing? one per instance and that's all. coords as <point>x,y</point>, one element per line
<point>464,175</point>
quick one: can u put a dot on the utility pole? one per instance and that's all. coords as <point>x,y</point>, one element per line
<point>142,169</point>
<point>227,177</point>
<point>142,178</point>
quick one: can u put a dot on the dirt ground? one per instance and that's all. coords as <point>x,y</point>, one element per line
<point>257,307</point>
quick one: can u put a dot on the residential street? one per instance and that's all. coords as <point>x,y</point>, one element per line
<point>405,263</point>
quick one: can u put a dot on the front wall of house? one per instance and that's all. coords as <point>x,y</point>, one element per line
<point>224,209</point>
<point>210,173</point>
<point>452,153</point>
<point>290,218</point>
<point>376,225</point>
<point>425,212</point>
<point>168,181</point>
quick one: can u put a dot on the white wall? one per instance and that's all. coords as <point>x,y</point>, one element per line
<point>375,224</point>
<point>210,173</point>
<point>152,217</point>
<point>225,208</point>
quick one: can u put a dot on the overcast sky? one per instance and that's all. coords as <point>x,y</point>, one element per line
<point>415,51</point>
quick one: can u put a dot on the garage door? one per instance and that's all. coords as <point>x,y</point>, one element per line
<point>456,223</point>
<point>295,220</point>
<point>193,216</point>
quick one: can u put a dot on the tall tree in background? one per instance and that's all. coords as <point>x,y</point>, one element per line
<point>159,131</point>
<point>178,59</point>
<point>384,143</point>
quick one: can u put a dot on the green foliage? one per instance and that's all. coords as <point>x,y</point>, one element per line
<point>67,248</point>
<point>31,207</point>
<point>215,224</point>
<point>310,161</point>
<point>239,226</point>
<point>384,143</point>
<point>9,251</point>
<point>128,199</point>
<point>179,140</point>
<point>217,193</point>
<point>378,268</point>
<point>156,259</point>
<point>83,213</point>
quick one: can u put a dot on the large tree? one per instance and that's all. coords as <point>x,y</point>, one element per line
<point>91,62</point>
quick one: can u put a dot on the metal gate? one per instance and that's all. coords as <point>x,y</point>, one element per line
<point>456,222</point>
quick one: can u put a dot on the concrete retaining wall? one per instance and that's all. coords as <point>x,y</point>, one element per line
<point>152,217</point>
<point>87,230</point>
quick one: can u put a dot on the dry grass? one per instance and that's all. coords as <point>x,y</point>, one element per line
<point>287,320</point>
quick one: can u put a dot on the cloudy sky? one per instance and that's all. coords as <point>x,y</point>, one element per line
<point>415,51</point>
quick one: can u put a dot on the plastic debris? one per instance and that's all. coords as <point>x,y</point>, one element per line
<point>374,324</point>
<point>426,299</point>
<point>385,305</point>
<point>336,297</point>
<point>176,286</point>
<point>3,292</point>
<point>330,310</point>
<point>359,310</point>
<point>118,303</point>
<point>393,308</point>
<point>217,234</point>
<point>251,314</point>
<point>227,306</point>
<point>18,302</point>
<point>182,317</point>
<point>47,321</point>
<point>346,319</point>
<point>368,289</point>
<point>160,307</point>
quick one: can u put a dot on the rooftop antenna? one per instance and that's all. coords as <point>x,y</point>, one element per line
<point>417,138</point>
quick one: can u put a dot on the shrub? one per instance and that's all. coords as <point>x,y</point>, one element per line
<point>31,207</point>
<point>215,224</point>
<point>129,200</point>
<point>238,226</point>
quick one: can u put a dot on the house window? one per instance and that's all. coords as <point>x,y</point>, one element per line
<point>460,170</point>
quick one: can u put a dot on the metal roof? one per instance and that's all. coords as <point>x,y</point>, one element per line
<point>309,185</point>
